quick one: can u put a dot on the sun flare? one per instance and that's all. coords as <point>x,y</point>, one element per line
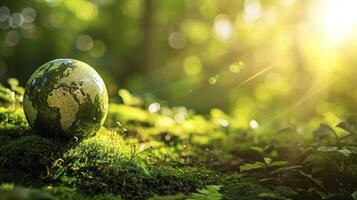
<point>339,18</point>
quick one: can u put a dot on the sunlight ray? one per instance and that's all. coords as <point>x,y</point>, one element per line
<point>313,90</point>
<point>257,74</point>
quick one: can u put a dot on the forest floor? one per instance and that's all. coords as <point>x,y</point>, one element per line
<point>177,154</point>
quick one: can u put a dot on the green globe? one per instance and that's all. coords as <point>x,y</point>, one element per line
<point>66,97</point>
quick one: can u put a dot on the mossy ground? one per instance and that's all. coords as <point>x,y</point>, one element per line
<point>176,154</point>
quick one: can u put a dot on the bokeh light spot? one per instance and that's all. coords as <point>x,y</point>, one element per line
<point>223,122</point>
<point>84,43</point>
<point>29,14</point>
<point>4,13</point>
<point>180,117</point>
<point>12,38</point>
<point>154,107</point>
<point>177,40</point>
<point>213,79</point>
<point>253,124</point>
<point>236,67</point>
<point>273,81</point>
<point>192,65</point>
<point>252,10</point>
<point>223,27</point>
<point>16,20</point>
<point>85,10</point>
<point>56,19</point>
<point>196,31</point>
<point>98,50</point>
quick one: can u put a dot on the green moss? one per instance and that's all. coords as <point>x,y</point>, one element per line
<point>11,192</point>
<point>103,164</point>
<point>153,156</point>
<point>12,123</point>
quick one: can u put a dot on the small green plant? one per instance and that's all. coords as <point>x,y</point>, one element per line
<point>349,125</point>
<point>211,192</point>
<point>268,163</point>
<point>134,153</point>
<point>332,153</point>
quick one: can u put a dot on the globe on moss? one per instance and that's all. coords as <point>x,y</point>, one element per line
<point>66,97</point>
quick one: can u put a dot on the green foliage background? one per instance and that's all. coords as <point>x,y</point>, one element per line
<point>193,53</point>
